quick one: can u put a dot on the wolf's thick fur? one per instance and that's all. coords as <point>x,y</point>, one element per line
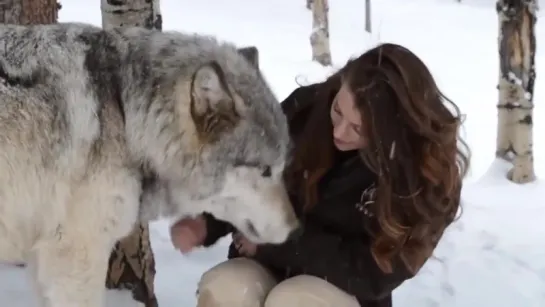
<point>100,128</point>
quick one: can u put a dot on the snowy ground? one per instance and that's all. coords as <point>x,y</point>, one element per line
<point>493,256</point>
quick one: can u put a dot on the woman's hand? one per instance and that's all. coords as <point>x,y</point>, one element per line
<point>243,245</point>
<point>188,233</point>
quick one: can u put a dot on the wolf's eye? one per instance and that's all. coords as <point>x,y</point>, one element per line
<point>266,171</point>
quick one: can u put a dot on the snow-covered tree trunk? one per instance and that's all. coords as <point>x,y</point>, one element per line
<point>517,46</point>
<point>133,13</point>
<point>132,263</point>
<point>368,22</point>
<point>319,38</point>
<point>29,12</point>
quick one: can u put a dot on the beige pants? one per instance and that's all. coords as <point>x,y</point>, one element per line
<point>243,282</point>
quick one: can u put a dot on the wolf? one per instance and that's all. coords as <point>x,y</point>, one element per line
<point>100,129</point>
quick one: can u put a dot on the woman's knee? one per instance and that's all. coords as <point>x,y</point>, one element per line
<point>238,281</point>
<point>306,290</point>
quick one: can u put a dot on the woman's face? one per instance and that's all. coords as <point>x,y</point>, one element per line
<point>346,119</point>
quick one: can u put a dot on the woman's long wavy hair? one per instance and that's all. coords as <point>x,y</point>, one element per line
<point>413,147</point>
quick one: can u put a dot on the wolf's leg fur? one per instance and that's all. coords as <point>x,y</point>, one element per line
<point>32,270</point>
<point>71,263</point>
<point>70,272</point>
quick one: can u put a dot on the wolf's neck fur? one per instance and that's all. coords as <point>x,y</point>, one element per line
<point>159,130</point>
<point>154,200</point>
<point>158,124</point>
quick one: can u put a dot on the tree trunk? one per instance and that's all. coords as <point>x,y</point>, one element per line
<point>319,38</point>
<point>309,4</point>
<point>132,263</point>
<point>131,13</point>
<point>27,12</point>
<point>517,45</point>
<point>368,16</point>
<point>132,266</point>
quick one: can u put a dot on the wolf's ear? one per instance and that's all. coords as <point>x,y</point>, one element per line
<point>214,107</point>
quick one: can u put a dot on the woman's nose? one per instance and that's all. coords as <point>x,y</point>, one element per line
<point>340,130</point>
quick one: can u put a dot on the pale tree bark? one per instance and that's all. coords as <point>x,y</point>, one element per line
<point>517,46</point>
<point>27,12</point>
<point>132,13</point>
<point>368,22</point>
<point>132,263</point>
<point>319,38</point>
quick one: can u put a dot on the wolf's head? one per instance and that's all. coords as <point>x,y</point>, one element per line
<point>225,144</point>
<point>244,141</point>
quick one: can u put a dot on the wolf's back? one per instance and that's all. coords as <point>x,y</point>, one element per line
<point>48,104</point>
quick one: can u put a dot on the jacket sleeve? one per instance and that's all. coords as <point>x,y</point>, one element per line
<point>343,262</point>
<point>215,229</point>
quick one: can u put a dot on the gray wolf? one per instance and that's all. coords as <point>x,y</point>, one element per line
<point>99,129</point>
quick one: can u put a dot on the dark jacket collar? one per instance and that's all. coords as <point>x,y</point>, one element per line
<point>348,173</point>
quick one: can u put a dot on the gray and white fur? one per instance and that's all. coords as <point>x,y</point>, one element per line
<point>100,128</point>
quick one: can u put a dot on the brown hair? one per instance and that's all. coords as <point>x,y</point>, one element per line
<point>412,145</point>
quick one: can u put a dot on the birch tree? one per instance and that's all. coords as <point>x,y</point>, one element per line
<point>368,22</point>
<point>132,263</point>
<point>131,13</point>
<point>29,12</point>
<point>319,38</point>
<point>517,46</point>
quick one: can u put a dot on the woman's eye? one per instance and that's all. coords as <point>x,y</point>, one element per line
<point>357,129</point>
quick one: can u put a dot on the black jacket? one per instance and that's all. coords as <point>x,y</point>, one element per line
<point>335,245</point>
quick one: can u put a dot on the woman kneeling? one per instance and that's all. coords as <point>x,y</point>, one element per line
<point>376,177</point>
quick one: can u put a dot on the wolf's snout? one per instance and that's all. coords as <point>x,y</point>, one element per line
<point>296,233</point>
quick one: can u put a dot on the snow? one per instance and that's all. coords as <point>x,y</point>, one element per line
<point>494,255</point>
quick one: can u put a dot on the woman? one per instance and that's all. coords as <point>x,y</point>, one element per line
<point>376,176</point>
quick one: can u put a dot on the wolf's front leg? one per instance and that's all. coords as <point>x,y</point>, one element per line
<point>71,270</point>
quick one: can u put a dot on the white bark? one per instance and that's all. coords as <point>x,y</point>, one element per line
<point>368,22</point>
<point>319,38</point>
<point>517,47</point>
<point>131,13</point>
